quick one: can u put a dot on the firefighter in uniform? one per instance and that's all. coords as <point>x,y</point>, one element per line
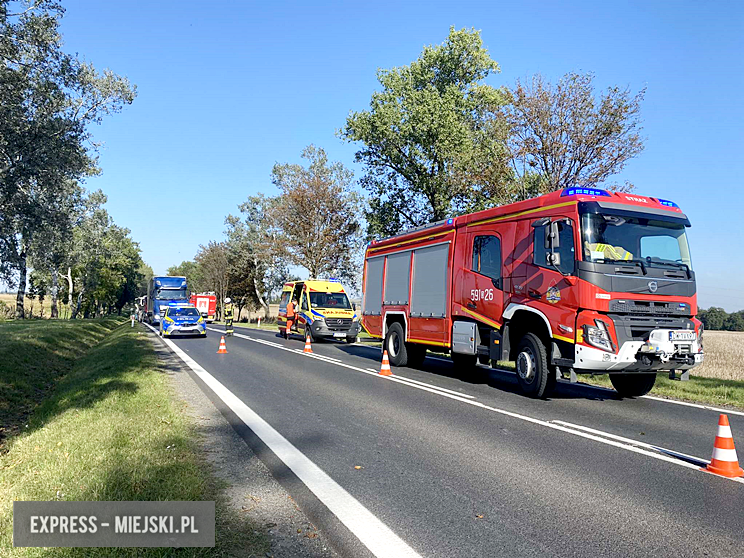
<point>228,317</point>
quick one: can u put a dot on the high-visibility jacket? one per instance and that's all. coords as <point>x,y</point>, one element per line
<point>290,310</point>
<point>229,311</point>
<point>609,251</point>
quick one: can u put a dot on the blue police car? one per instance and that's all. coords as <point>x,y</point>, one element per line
<point>179,320</point>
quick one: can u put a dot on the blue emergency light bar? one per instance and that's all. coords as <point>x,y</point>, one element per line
<point>450,221</point>
<point>334,280</point>
<point>668,203</point>
<point>584,191</point>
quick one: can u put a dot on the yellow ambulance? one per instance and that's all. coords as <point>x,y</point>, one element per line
<point>323,310</point>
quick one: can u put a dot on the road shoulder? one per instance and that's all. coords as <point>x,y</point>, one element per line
<point>250,487</point>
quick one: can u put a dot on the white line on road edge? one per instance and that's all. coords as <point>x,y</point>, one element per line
<point>603,439</point>
<point>370,531</point>
<point>697,405</point>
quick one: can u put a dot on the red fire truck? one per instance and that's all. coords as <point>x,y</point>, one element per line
<point>206,303</point>
<point>580,280</point>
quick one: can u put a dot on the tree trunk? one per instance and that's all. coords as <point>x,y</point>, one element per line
<point>21,286</point>
<point>77,306</point>
<point>55,291</point>
<point>69,290</point>
<point>260,298</point>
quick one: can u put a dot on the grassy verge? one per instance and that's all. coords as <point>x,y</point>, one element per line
<point>713,391</point>
<point>34,356</point>
<point>111,430</point>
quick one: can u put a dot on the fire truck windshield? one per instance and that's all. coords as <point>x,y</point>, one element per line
<point>171,294</point>
<point>623,238</point>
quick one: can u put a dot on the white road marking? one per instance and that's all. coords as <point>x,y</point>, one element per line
<point>630,441</point>
<point>696,405</point>
<point>370,531</point>
<point>604,438</point>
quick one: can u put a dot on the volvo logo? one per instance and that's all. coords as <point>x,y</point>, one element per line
<point>653,286</point>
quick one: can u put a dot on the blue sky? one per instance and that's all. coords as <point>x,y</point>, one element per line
<point>228,89</point>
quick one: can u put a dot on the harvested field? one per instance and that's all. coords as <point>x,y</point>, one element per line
<point>724,356</point>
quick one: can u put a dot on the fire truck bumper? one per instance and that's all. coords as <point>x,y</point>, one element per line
<point>633,356</point>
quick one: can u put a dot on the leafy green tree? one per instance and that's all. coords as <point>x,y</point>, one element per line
<point>48,100</point>
<point>145,273</point>
<point>713,318</point>
<point>734,321</point>
<point>566,135</point>
<point>190,270</point>
<point>214,267</point>
<point>434,140</point>
<point>255,252</point>
<point>317,214</point>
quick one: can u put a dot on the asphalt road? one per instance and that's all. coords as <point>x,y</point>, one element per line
<point>480,470</point>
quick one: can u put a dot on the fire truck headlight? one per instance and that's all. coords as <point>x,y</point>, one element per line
<point>598,336</point>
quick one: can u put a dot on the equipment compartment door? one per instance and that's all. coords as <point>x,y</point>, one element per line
<point>482,296</point>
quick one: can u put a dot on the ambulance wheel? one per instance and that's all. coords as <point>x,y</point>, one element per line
<point>533,372</point>
<point>416,354</point>
<point>351,340</point>
<point>309,333</point>
<point>395,344</point>
<point>632,385</point>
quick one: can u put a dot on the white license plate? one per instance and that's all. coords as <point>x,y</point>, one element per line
<point>339,334</point>
<point>685,335</point>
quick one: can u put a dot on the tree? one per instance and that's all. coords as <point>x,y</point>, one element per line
<point>145,273</point>
<point>734,321</point>
<point>433,138</point>
<point>212,260</point>
<point>190,270</point>
<point>258,261</point>
<point>713,318</point>
<point>318,215</point>
<point>48,100</point>
<point>566,136</point>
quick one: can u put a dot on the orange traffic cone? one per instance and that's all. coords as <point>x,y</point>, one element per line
<point>724,461</point>
<point>385,368</point>
<point>308,348</point>
<point>223,348</point>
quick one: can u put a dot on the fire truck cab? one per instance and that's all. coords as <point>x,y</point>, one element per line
<point>580,280</point>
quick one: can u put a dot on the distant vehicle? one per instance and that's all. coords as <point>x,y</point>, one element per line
<point>324,310</point>
<point>182,320</point>
<point>206,303</point>
<point>580,280</point>
<point>165,291</point>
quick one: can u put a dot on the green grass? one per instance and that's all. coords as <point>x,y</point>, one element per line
<point>34,355</point>
<point>711,391</point>
<point>110,429</point>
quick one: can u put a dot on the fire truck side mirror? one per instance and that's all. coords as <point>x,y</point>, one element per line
<point>555,236</point>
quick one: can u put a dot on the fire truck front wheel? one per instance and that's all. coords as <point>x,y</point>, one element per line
<point>532,366</point>
<point>632,385</point>
<point>395,344</point>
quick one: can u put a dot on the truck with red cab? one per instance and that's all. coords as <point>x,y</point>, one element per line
<point>581,280</point>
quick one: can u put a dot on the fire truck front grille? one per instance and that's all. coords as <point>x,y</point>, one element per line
<point>649,308</point>
<point>338,324</point>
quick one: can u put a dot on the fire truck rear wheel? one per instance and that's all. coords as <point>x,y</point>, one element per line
<point>632,385</point>
<point>532,366</point>
<point>395,344</point>
<point>416,354</point>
